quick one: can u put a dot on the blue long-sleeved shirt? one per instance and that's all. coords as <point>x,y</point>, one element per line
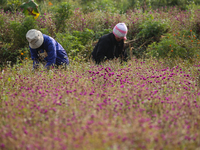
<point>56,53</point>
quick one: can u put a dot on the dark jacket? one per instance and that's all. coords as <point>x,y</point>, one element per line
<point>55,53</point>
<point>108,48</point>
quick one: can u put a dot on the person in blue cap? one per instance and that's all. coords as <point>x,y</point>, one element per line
<point>46,50</point>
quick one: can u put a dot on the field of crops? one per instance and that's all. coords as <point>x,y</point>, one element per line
<point>143,104</point>
<point>150,102</point>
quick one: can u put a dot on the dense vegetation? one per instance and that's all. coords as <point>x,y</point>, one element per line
<point>164,32</point>
<point>150,102</point>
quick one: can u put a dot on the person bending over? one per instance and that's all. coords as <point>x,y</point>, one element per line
<point>111,45</point>
<point>45,49</point>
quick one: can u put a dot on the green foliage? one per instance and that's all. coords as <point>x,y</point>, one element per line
<point>62,12</point>
<point>101,33</point>
<point>8,54</point>
<point>45,31</point>
<point>102,5</point>
<point>180,45</point>
<point>17,35</point>
<point>123,6</point>
<point>5,35</point>
<point>1,26</point>
<point>70,43</point>
<point>152,28</point>
<point>149,31</point>
<point>77,44</point>
<point>2,2</point>
<point>84,36</point>
<point>19,30</point>
<point>14,4</point>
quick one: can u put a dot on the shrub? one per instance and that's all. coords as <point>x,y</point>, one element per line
<point>4,29</point>
<point>196,28</point>
<point>70,43</point>
<point>62,12</point>
<point>15,39</point>
<point>2,3</point>
<point>101,33</point>
<point>20,29</point>
<point>8,54</point>
<point>183,44</point>
<point>153,28</point>
<point>78,44</point>
<point>102,5</point>
<point>46,25</point>
<point>13,4</point>
<point>84,36</point>
<point>149,31</point>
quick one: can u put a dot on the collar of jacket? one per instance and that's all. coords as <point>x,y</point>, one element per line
<point>114,40</point>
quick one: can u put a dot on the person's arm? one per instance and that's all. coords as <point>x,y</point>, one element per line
<point>51,51</point>
<point>101,51</point>
<point>123,54</point>
<point>34,57</point>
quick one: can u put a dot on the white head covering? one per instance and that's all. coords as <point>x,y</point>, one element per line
<point>120,30</point>
<point>35,38</point>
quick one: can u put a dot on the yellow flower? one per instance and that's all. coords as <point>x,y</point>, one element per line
<point>22,53</point>
<point>35,14</point>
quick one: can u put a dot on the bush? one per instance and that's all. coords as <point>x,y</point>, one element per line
<point>62,12</point>
<point>183,44</point>
<point>153,29</point>
<point>19,31</point>
<point>84,36</point>
<point>102,5</point>
<point>2,2</point>
<point>70,43</point>
<point>101,33</point>
<point>13,4</point>
<point>15,39</point>
<point>46,25</point>
<point>4,30</point>
<point>77,44</point>
<point>7,54</point>
<point>149,31</point>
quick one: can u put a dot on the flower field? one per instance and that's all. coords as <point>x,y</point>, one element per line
<point>151,102</point>
<point>144,104</point>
